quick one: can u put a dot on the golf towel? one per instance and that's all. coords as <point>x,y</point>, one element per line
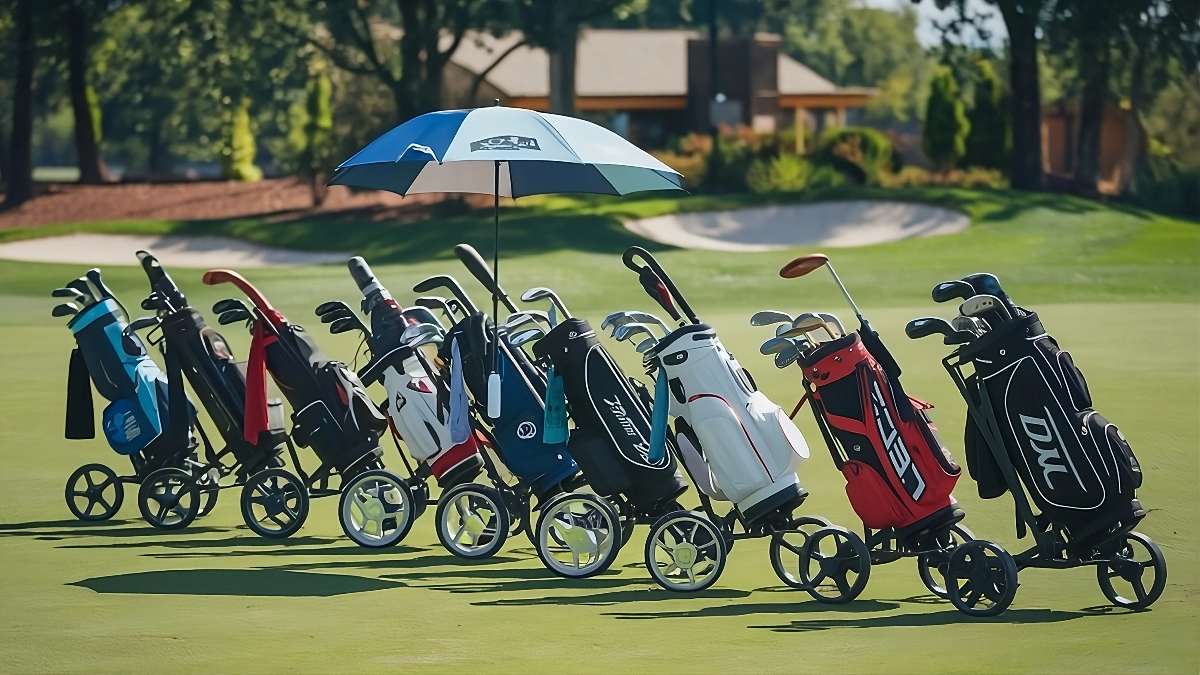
<point>658,419</point>
<point>555,420</point>
<point>256,420</point>
<point>460,426</point>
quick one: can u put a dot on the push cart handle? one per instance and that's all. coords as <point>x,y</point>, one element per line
<point>653,268</point>
<point>214,277</point>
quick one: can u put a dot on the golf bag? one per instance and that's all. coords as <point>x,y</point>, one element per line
<point>611,438</point>
<point>332,413</point>
<point>518,430</point>
<point>898,473</point>
<point>217,378</point>
<point>114,358</point>
<point>1076,464</point>
<point>751,446</point>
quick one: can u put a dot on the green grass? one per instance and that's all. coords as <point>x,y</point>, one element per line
<point>1118,288</point>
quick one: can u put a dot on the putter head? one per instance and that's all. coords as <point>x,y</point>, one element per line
<point>775,345</point>
<point>949,290</point>
<point>769,317</point>
<point>926,326</point>
<point>803,265</point>
<point>65,309</point>
<point>787,357</point>
<point>646,345</point>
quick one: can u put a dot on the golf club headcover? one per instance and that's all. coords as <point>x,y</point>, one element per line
<point>554,421</point>
<point>255,420</point>
<point>460,424</point>
<point>658,418</point>
<point>658,290</point>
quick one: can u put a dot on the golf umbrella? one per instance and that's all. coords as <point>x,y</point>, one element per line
<point>506,152</point>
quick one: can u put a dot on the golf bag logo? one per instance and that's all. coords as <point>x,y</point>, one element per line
<point>526,430</point>
<point>1047,442</point>
<point>400,401</point>
<point>897,453</point>
<point>505,143</point>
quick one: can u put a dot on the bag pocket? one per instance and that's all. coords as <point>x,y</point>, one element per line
<point>981,463</point>
<point>1112,444</point>
<point>872,498</point>
<point>1076,384</point>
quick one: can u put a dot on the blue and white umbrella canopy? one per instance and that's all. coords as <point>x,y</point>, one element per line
<point>458,151</point>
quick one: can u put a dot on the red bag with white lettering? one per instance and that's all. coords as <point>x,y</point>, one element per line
<point>898,473</point>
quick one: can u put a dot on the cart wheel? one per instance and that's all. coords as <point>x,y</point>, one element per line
<point>834,565</point>
<point>209,491</point>
<point>685,552</point>
<point>376,509</point>
<point>169,499</point>
<point>932,566</point>
<point>518,515</point>
<point>472,521</point>
<point>784,545</point>
<point>810,522</point>
<point>981,578</point>
<point>1137,554</point>
<point>94,492</point>
<point>274,503</point>
<point>578,535</point>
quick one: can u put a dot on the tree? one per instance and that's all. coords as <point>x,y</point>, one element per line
<point>238,147</point>
<point>312,128</point>
<point>20,180</point>
<point>80,15</point>
<point>988,141</point>
<point>946,126</point>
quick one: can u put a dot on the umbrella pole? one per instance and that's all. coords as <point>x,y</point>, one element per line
<point>493,402</point>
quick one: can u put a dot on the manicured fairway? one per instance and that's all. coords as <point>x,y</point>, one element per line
<point>119,597</point>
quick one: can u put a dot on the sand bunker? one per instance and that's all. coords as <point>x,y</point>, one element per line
<point>173,251</point>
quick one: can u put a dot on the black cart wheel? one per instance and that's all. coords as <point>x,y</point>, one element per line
<point>578,535</point>
<point>834,565</point>
<point>932,566</point>
<point>169,499</point>
<point>210,489</point>
<point>274,503</point>
<point>94,492</point>
<point>376,509</point>
<point>685,552</point>
<point>981,578</point>
<point>784,545</point>
<point>472,521</point>
<point>1123,577</point>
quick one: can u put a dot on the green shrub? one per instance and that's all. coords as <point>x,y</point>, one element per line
<point>989,140</point>
<point>824,177</point>
<point>238,148</point>
<point>915,176</point>
<point>861,153</point>
<point>946,127</point>
<point>1169,188</point>
<point>784,173</point>
<point>692,167</point>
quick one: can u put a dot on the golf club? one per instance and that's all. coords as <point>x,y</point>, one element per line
<point>833,321</point>
<point>971,324</point>
<point>627,331</point>
<point>979,305</point>
<point>450,283</point>
<point>787,357</point>
<point>70,294</point>
<point>807,263</point>
<point>535,294</point>
<point>525,336</point>
<point>949,290</point>
<point>930,325</point>
<point>775,345</point>
<point>81,285</point>
<point>646,345</point>
<point>769,317</point>
<point>65,309</point>
<point>93,276</point>
<point>526,316</point>
<point>222,306</point>
<point>986,283</point>
<point>233,316</point>
<point>806,323</point>
<point>422,315</point>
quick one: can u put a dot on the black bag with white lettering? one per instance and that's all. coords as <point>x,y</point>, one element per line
<point>1075,464</point>
<point>611,437</point>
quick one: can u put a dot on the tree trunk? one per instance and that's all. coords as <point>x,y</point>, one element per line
<point>1094,68</point>
<point>91,164</point>
<point>1020,18</point>
<point>562,60</point>
<point>20,182</point>
<point>1133,155</point>
<point>5,158</point>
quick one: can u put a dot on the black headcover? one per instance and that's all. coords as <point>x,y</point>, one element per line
<point>611,438</point>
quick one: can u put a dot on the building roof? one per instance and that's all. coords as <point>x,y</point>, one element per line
<point>611,63</point>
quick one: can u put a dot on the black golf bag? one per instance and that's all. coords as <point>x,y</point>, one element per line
<point>518,430</point>
<point>1077,466</point>
<point>611,438</point>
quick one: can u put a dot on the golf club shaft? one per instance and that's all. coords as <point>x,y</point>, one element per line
<point>479,269</point>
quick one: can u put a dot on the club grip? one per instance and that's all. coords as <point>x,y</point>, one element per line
<point>360,272</point>
<point>161,281</point>
<point>479,269</point>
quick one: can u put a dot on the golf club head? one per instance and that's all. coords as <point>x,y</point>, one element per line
<point>70,294</point>
<point>647,318</point>
<point>222,306</point>
<point>833,321</point>
<point>970,324</point>
<point>769,317</point>
<point>926,326</point>
<point>803,265</point>
<point>950,290</point>
<point>416,330</point>
<point>525,336</point>
<point>344,325</point>
<point>978,305</point>
<point>802,343</point>
<point>540,292</point>
<point>518,318</point>
<point>775,345</point>
<point>332,310</point>
<point>232,316</point>
<point>616,319</point>
<point>985,283</point>
<point>787,357</point>
<point>422,315</point>
<point>93,275</point>
<point>65,309</point>
<point>806,323</point>
<point>646,345</point>
<point>81,285</point>
<point>628,330</point>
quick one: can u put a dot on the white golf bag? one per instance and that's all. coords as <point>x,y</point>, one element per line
<point>732,437</point>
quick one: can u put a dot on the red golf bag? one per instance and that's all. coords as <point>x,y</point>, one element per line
<point>898,473</point>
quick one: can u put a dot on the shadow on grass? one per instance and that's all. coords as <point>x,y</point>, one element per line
<point>946,618</point>
<point>801,606</point>
<point>604,598</point>
<point>268,582</point>
<point>53,530</point>
<point>248,539</point>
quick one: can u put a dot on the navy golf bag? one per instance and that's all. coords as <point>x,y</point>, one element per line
<point>611,438</point>
<point>518,430</point>
<point>1076,465</point>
